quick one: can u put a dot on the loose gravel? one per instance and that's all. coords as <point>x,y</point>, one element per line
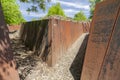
<point>31,67</point>
<point>61,70</point>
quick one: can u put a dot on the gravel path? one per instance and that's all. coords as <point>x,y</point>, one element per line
<point>61,70</point>
<point>31,68</point>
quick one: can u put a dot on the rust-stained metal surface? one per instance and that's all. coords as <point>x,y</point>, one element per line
<point>64,34</point>
<point>77,64</point>
<point>51,38</point>
<point>7,66</point>
<point>111,65</point>
<point>101,30</point>
<point>86,27</point>
<point>14,28</point>
<point>35,36</point>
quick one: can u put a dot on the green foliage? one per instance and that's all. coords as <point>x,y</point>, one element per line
<point>11,12</point>
<point>56,10</point>
<point>92,6</point>
<point>80,16</point>
<point>36,4</point>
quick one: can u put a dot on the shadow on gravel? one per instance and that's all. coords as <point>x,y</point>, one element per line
<point>25,59</point>
<point>76,66</point>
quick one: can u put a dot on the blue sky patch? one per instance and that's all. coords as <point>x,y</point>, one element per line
<point>70,7</point>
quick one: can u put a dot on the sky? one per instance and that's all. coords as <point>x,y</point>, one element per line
<point>70,7</point>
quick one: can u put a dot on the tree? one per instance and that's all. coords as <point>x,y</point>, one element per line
<point>80,16</point>
<point>11,12</point>
<point>56,10</point>
<point>36,4</point>
<point>92,6</point>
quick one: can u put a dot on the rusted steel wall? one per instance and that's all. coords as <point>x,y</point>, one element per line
<point>51,38</point>
<point>110,69</point>
<point>77,64</point>
<point>86,27</point>
<point>7,66</point>
<point>14,27</point>
<point>33,33</point>
<point>64,34</point>
<point>101,30</point>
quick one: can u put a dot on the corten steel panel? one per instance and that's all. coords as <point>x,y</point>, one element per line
<point>67,34</point>
<point>49,57</point>
<point>56,41</point>
<point>76,66</point>
<point>63,45</point>
<point>111,65</point>
<point>64,37</point>
<point>71,26</point>
<point>32,34</point>
<point>73,32</point>
<point>14,28</point>
<point>76,31</point>
<point>80,28</point>
<point>89,23</point>
<point>51,38</point>
<point>85,27</point>
<point>64,34</point>
<point>7,66</point>
<point>102,25</point>
<point>29,33</point>
<point>61,37</point>
<point>41,43</point>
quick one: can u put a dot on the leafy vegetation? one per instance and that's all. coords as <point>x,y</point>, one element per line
<point>56,10</point>
<point>92,6</point>
<point>80,16</point>
<point>11,12</point>
<point>36,4</point>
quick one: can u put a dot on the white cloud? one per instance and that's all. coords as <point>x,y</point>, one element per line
<point>75,5</point>
<point>69,8</point>
<point>70,11</point>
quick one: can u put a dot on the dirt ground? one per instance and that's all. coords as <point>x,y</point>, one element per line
<point>30,67</point>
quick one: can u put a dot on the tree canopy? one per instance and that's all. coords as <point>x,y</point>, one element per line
<point>11,12</point>
<point>92,6</point>
<point>56,9</point>
<point>80,16</point>
<point>36,4</point>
